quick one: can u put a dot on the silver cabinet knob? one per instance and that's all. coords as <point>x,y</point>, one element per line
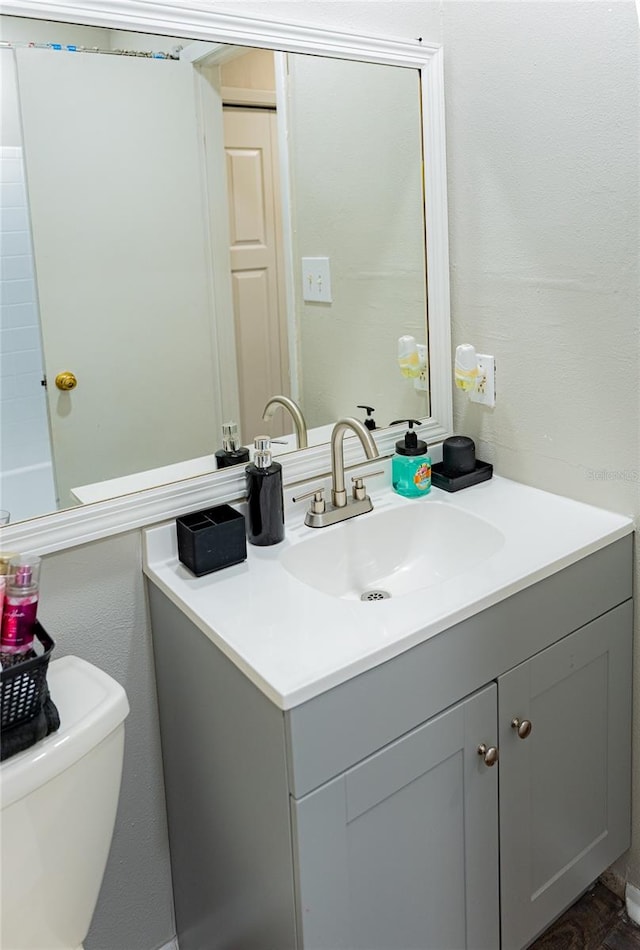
<point>522,726</point>
<point>489,754</point>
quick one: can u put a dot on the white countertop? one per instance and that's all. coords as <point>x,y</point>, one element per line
<point>294,642</point>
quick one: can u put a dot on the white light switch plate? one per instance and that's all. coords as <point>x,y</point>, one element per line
<point>316,279</point>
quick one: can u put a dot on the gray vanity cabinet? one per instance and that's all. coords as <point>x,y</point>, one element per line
<point>401,850</point>
<point>366,817</point>
<point>565,787</point>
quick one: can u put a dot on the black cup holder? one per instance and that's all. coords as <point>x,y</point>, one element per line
<point>211,539</point>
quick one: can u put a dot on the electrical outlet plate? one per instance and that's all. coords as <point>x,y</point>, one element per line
<point>421,383</point>
<point>485,391</point>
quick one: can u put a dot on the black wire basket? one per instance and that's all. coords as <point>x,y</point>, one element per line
<point>23,685</point>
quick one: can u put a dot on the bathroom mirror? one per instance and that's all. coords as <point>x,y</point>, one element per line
<point>351,345</point>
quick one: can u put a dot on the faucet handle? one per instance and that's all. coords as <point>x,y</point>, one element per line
<point>317,506</point>
<point>359,490</point>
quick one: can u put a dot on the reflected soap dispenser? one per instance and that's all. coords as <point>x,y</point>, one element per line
<point>265,500</point>
<point>369,422</point>
<point>411,465</point>
<point>231,453</point>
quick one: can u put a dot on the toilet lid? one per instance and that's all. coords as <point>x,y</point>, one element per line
<point>91,705</point>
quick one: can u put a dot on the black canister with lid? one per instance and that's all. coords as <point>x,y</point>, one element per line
<point>458,455</point>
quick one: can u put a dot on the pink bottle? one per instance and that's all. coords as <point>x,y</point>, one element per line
<point>20,605</point>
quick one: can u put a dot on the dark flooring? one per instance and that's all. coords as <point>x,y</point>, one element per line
<point>598,921</point>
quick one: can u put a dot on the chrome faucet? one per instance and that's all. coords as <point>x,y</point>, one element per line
<point>296,415</point>
<point>338,491</point>
<point>341,507</point>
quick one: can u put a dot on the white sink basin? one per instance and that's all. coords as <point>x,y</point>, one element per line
<point>392,552</point>
<point>290,616</point>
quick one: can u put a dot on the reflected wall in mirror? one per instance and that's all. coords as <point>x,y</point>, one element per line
<point>171,203</point>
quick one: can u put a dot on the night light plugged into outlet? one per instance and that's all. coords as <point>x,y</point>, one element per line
<point>412,360</point>
<point>475,374</point>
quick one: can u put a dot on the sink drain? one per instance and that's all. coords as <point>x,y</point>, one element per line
<point>375,595</point>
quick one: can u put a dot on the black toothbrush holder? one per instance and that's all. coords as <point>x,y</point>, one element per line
<point>211,539</point>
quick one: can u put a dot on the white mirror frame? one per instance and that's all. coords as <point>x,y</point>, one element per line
<point>194,19</point>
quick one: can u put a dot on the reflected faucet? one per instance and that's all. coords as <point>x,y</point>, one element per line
<point>296,415</point>
<point>320,514</point>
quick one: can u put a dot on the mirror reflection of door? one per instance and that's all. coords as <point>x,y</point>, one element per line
<point>256,264</point>
<point>113,172</point>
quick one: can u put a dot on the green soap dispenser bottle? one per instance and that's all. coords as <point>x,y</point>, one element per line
<point>411,465</point>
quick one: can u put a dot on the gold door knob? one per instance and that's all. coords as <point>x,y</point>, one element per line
<point>66,381</point>
<point>522,726</point>
<point>489,754</point>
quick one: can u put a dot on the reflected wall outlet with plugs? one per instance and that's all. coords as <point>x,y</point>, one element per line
<point>421,382</point>
<point>485,390</point>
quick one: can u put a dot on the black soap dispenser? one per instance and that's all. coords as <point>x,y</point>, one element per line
<point>231,453</point>
<point>265,499</point>
<point>369,422</point>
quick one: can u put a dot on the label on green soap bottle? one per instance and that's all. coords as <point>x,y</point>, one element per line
<point>422,477</point>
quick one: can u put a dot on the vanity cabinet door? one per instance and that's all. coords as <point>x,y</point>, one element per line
<point>401,851</point>
<point>564,787</point>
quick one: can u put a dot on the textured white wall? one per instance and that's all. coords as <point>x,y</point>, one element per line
<point>543,161</point>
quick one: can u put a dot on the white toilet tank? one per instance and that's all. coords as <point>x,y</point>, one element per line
<point>58,807</point>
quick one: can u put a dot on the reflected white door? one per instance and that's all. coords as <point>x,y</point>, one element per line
<point>256,271</point>
<point>114,176</point>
